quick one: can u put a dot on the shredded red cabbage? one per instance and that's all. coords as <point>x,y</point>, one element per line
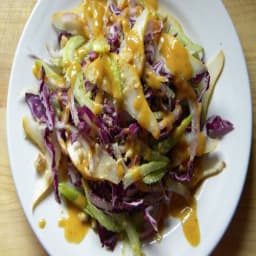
<point>217,127</point>
<point>51,149</point>
<point>134,128</point>
<point>61,96</point>
<point>168,101</point>
<point>45,97</point>
<point>159,68</point>
<point>198,78</point>
<point>92,88</point>
<point>150,51</point>
<point>75,135</point>
<point>203,80</point>
<point>153,30</point>
<point>73,110</point>
<point>91,120</point>
<point>99,202</point>
<point>115,36</point>
<point>148,217</point>
<point>185,176</point>
<point>114,9</point>
<point>147,233</point>
<point>74,176</point>
<point>110,120</point>
<point>36,107</point>
<point>114,199</point>
<point>107,238</point>
<point>93,55</point>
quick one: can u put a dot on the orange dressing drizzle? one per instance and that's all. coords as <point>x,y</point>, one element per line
<point>167,121</point>
<point>42,223</point>
<point>186,212</point>
<point>37,70</point>
<point>201,144</point>
<point>176,56</point>
<point>120,169</point>
<point>72,70</point>
<point>153,4</point>
<point>141,106</point>
<point>133,42</point>
<point>101,74</point>
<point>95,11</point>
<point>153,80</point>
<point>136,173</point>
<point>74,229</point>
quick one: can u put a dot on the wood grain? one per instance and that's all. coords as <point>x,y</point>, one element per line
<point>16,237</point>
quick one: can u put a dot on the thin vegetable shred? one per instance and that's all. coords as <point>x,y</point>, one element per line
<point>120,119</point>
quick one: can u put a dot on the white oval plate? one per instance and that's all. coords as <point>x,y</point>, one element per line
<point>207,23</point>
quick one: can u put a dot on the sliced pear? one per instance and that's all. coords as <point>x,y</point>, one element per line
<point>99,45</point>
<point>33,132</point>
<point>132,49</point>
<point>104,72</point>
<point>43,188</point>
<point>93,162</point>
<point>53,79</point>
<point>135,101</point>
<point>69,22</point>
<point>141,23</point>
<point>208,171</point>
<point>137,173</point>
<point>82,96</point>
<point>112,61</point>
<point>69,50</point>
<point>178,59</point>
<point>215,67</point>
<point>211,145</point>
<point>198,66</point>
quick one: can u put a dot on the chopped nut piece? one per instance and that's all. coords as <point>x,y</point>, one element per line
<point>93,224</point>
<point>40,163</point>
<point>63,41</point>
<point>83,217</point>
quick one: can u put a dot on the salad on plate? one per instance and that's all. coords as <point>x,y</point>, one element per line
<point>120,120</point>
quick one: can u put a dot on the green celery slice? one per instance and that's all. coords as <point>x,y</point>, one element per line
<point>167,144</point>
<point>113,64</point>
<point>177,30</point>
<point>137,173</point>
<point>80,93</point>
<point>154,176</point>
<point>105,220</point>
<point>133,238</point>
<point>73,195</point>
<point>33,132</point>
<point>69,50</point>
<point>54,80</point>
<point>79,200</point>
<point>99,45</point>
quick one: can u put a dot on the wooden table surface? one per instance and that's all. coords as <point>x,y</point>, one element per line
<point>16,237</point>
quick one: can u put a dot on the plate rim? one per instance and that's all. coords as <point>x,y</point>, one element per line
<point>250,123</point>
